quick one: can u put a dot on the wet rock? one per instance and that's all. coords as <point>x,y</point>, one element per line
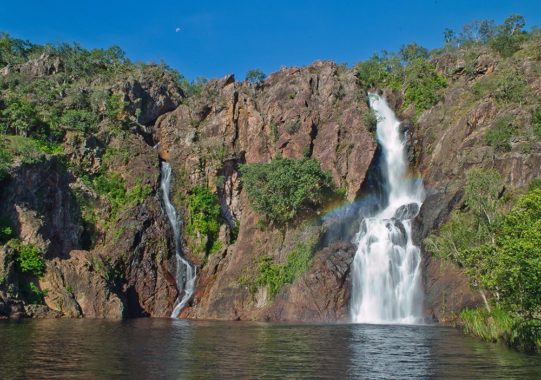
<point>41,312</point>
<point>398,233</point>
<point>406,212</point>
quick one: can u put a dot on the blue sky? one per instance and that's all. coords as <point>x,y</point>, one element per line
<point>221,37</point>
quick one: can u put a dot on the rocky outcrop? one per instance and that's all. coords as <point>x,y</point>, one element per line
<point>151,94</point>
<point>322,294</point>
<point>82,286</point>
<point>449,140</point>
<point>38,203</point>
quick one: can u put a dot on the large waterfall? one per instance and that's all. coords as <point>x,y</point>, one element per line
<point>185,274</point>
<point>386,268</point>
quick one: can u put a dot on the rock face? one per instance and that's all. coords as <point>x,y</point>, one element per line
<point>316,112</point>
<point>448,140</point>
<point>125,267</point>
<point>78,288</point>
<point>37,199</point>
<point>321,294</point>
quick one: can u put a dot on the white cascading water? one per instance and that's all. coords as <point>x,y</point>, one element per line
<point>185,274</point>
<point>386,269</point>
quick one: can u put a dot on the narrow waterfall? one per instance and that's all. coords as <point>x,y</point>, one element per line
<point>185,274</point>
<point>386,268</point>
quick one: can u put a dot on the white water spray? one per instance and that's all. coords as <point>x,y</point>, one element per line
<point>185,274</point>
<point>386,268</point>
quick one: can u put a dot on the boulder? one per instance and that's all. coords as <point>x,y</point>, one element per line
<point>408,211</point>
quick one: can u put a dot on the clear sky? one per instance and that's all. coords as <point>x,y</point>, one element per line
<point>220,37</point>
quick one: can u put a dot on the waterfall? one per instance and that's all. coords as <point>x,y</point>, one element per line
<point>386,268</point>
<point>185,274</point>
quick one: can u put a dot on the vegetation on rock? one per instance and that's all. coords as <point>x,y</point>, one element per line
<point>203,221</point>
<point>501,254</point>
<point>275,275</point>
<point>283,188</point>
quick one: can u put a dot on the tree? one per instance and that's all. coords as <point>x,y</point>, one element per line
<point>18,116</point>
<point>412,51</point>
<point>255,76</point>
<point>283,188</point>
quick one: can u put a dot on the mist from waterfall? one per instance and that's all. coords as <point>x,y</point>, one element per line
<point>185,274</point>
<point>386,268</point>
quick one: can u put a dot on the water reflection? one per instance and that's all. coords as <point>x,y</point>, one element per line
<point>163,348</point>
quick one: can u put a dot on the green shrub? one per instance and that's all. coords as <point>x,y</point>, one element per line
<point>111,186</point>
<point>6,232</point>
<point>18,116</point>
<point>422,85</point>
<point>383,72</point>
<point>283,188</point>
<point>204,213</point>
<point>536,121</point>
<point>29,258</point>
<point>474,226</point>
<point>5,161</point>
<point>275,276</point>
<point>29,150</point>
<point>370,119</point>
<point>500,133</point>
<point>507,86</point>
<point>79,120</point>
<point>255,76</point>
<point>509,36</point>
<point>32,293</point>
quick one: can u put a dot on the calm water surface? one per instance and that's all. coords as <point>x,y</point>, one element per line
<point>163,348</point>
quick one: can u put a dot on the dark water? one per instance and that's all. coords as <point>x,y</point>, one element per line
<point>162,348</point>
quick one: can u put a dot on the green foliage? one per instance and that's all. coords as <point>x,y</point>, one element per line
<point>255,76</point>
<point>79,120</point>
<point>6,232</point>
<point>492,326</point>
<point>27,150</point>
<point>29,258</point>
<point>18,116</point>
<point>509,37</point>
<point>370,119</point>
<point>501,254</point>
<point>513,260</point>
<point>204,213</point>
<point>275,276</point>
<point>507,86</point>
<point>32,293</point>
<point>418,77</point>
<point>13,51</point>
<point>111,186</point>
<point>283,188</point>
<point>275,133</point>
<point>500,133</point>
<point>505,39</point>
<point>412,52</point>
<point>195,87</point>
<point>384,72</point>
<point>5,161</point>
<point>536,121</point>
<point>472,227</point>
<point>422,85</point>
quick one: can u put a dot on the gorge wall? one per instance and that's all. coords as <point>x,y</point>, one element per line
<point>123,265</point>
